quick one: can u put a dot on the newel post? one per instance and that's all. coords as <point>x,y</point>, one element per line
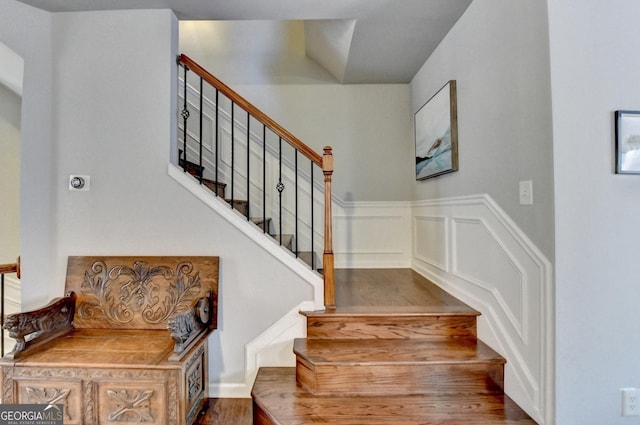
<point>329,276</point>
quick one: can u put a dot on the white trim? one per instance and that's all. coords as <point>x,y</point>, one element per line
<point>527,343</point>
<point>253,232</point>
<point>518,323</point>
<point>292,325</point>
<point>12,295</point>
<point>519,326</point>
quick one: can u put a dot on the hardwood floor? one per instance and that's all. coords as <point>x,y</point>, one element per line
<point>395,289</point>
<point>397,350</point>
<point>227,411</point>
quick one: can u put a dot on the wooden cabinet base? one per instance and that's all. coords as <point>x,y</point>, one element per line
<point>159,394</point>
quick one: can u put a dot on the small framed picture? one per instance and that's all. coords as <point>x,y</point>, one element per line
<point>436,134</point>
<point>627,142</point>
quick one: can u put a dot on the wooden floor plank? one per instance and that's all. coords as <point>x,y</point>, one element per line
<point>227,411</point>
<point>390,288</point>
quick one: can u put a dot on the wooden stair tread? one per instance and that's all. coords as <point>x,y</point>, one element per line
<point>278,400</point>
<point>396,310</point>
<point>394,351</point>
<point>213,182</point>
<point>286,239</point>
<point>238,201</point>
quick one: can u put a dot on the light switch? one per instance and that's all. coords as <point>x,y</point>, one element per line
<point>526,192</point>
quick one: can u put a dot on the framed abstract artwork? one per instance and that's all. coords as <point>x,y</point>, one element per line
<point>436,134</point>
<point>627,142</point>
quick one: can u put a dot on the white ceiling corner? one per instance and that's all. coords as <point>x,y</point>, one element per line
<point>328,42</point>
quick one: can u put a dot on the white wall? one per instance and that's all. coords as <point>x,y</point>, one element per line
<point>10,105</point>
<point>498,53</point>
<point>471,236</point>
<point>369,126</point>
<point>594,66</point>
<point>27,31</point>
<point>114,121</point>
<point>11,69</point>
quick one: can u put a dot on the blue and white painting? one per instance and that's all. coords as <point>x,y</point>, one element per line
<point>628,134</point>
<point>435,149</point>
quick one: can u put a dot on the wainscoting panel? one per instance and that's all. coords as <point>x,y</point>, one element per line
<point>433,248</point>
<point>475,246</point>
<point>372,234</point>
<point>473,250</point>
<point>12,297</point>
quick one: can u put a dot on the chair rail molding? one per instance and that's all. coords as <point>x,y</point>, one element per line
<point>471,248</point>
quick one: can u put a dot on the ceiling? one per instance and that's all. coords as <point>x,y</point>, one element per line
<point>357,41</point>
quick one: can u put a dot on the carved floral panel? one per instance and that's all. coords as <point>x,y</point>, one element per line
<point>120,293</point>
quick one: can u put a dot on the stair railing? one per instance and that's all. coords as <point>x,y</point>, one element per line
<point>6,269</point>
<point>210,159</point>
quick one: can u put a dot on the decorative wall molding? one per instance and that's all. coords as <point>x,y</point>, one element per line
<point>467,245</point>
<point>471,248</point>
<point>435,249</point>
<point>372,234</point>
<point>12,297</point>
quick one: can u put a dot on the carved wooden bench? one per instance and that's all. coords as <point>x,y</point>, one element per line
<point>126,344</point>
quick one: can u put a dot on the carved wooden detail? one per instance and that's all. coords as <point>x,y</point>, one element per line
<point>186,327</point>
<point>118,294</point>
<point>194,382</point>
<point>131,406</point>
<point>88,401</point>
<point>34,328</point>
<point>172,390</point>
<point>45,395</point>
<point>126,345</point>
<point>196,375</point>
<point>139,292</point>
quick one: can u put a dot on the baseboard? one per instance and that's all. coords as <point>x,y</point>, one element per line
<point>272,348</point>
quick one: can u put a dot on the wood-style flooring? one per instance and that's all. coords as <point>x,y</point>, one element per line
<point>227,411</point>
<point>417,335</point>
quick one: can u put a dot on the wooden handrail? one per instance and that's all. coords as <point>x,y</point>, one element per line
<point>251,109</point>
<point>325,162</point>
<point>11,268</point>
<point>8,268</point>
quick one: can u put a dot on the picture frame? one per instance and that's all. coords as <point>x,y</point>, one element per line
<point>627,142</point>
<point>436,134</point>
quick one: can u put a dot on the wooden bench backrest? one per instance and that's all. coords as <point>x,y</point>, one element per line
<point>139,292</point>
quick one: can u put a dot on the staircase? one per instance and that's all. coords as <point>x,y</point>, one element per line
<point>242,206</point>
<point>396,349</point>
<point>388,363</point>
<point>260,169</point>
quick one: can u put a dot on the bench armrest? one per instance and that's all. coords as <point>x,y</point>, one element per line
<point>34,328</point>
<point>186,327</point>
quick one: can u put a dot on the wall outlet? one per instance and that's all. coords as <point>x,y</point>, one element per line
<point>630,402</point>
<point>526,192</point>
